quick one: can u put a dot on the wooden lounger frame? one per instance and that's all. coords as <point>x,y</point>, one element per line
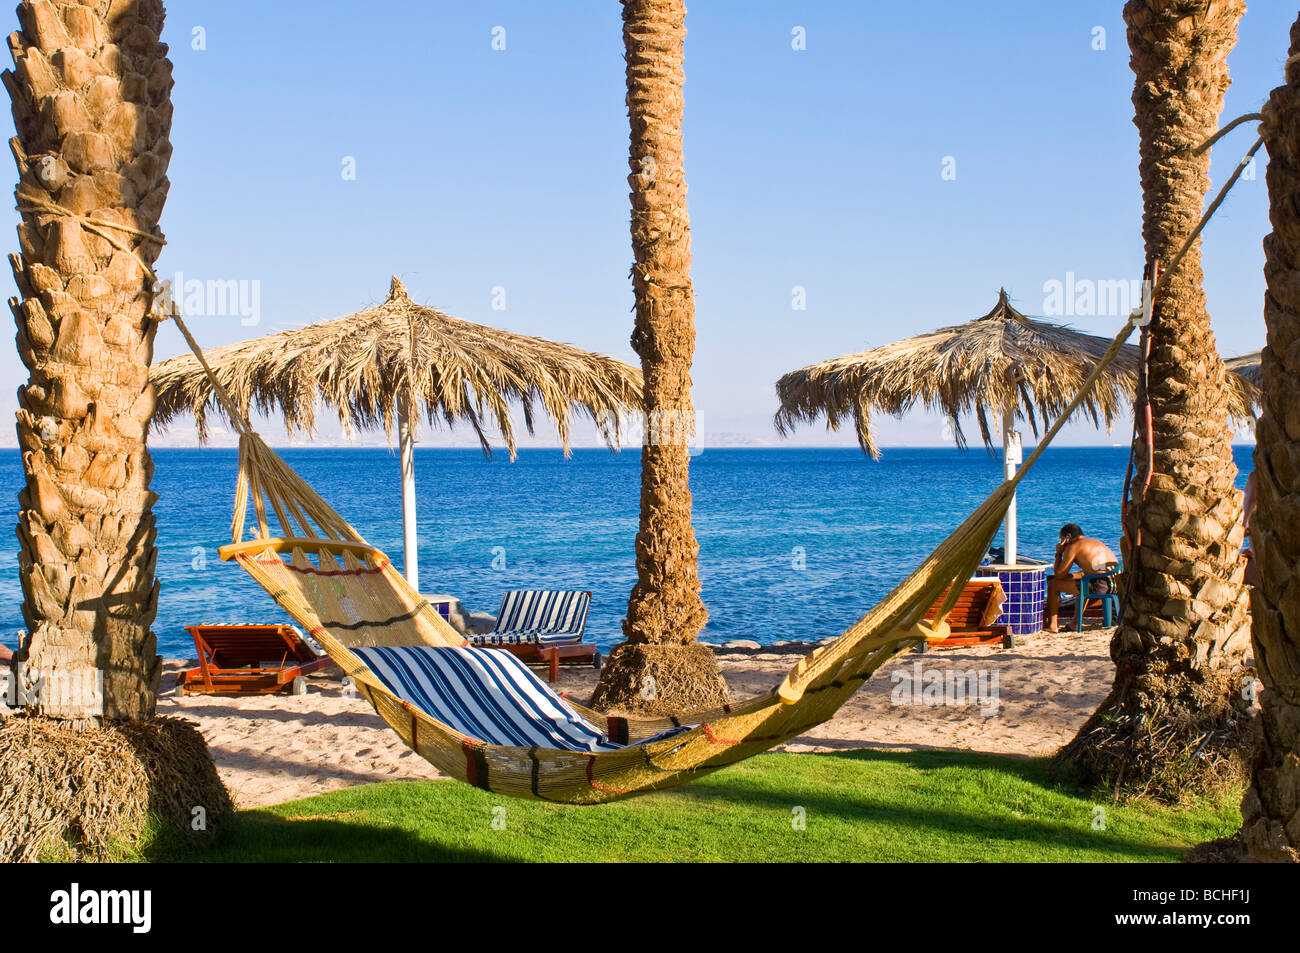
<point>550,655</point>
<point>232,660</point>
<point>967,618</point>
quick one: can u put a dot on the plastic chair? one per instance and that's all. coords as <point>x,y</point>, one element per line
<point>1109,600</point>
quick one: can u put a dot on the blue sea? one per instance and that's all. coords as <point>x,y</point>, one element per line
<point>794,543</point>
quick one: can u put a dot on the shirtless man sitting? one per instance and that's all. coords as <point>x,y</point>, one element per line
<point>1090,555</point>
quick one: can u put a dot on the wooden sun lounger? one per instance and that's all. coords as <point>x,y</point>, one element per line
<point>967,619</point>
<point>248,660</point>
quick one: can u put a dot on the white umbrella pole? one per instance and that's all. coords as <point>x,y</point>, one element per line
<point>410,542</point>
<point>1010,461</point>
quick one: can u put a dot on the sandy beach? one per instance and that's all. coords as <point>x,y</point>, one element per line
<point>277,748</point>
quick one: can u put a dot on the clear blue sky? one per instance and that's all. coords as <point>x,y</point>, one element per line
<point>479,168</point>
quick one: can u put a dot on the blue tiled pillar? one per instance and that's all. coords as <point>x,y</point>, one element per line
<point>1026,589</point>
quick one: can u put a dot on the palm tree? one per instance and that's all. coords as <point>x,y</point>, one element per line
<point>661,666</point>
<point>1174,715</point>
<point>91,92</point>
<point>1270,813</point>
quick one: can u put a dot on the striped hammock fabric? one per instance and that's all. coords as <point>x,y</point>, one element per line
<point>487,695</point>
<point>538,617</point>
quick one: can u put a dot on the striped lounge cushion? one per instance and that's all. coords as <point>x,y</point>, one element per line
<point>488,695</point>
<point>538,616</point>
<point>491,639</point>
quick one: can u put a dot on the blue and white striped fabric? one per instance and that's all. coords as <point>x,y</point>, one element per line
<point>538,617</point>
<point>488,695</point>
<point>497,639</point>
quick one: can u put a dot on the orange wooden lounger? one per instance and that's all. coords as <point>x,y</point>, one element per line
<point>970,620</point>
<point>248,660</point>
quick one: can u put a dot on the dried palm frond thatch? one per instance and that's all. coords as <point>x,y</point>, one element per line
<point>362,366</point>
<point>86,794</point>
<point>1001,361</point>
<point>1247,367</point>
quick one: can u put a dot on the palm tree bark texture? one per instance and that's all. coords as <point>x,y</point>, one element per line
<point>91,92</point>
<point>1175,717</point>
<point>661,666</point>
<point>1271,808</point>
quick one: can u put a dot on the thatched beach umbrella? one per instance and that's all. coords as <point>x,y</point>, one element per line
<point>1003,366</point>
<point>379,366</point>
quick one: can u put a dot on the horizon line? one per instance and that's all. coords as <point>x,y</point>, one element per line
<point>994,450</point>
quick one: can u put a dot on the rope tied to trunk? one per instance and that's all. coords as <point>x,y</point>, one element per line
<point>1141,316</point>
<point>35,204</point>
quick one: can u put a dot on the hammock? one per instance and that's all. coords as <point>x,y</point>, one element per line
<point>349,598</point>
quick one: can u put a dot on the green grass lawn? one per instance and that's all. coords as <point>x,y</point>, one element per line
<point>857,806</point>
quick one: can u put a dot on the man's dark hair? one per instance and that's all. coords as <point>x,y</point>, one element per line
<point>1071,530</point>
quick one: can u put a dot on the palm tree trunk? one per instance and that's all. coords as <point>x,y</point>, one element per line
<point>91,92</point>
<point>1174,718</point>
<point>1271,809</point>
<point>661,666</point>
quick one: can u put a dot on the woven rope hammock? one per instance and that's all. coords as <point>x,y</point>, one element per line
<point>347,594</point>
